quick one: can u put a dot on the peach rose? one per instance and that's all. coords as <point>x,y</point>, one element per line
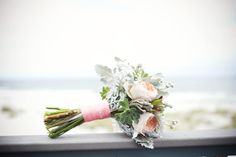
<point>147,123</point>
<point>142,90</point>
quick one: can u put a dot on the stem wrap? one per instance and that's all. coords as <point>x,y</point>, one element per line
<point>100,111</point>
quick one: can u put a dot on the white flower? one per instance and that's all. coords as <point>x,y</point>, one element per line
<point>147,123</point>
<point>142,90</point>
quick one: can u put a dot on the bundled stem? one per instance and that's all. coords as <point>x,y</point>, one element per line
<point>58,121</point>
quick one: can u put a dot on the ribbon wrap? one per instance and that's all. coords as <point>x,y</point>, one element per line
<point>100,111</point>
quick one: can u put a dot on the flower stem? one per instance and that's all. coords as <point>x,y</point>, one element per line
<point>59,121</point>
<point>65,127</point>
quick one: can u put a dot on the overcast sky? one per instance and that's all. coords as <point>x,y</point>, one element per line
<point>66,38</point>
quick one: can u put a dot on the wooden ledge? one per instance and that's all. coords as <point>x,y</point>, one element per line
<point>41,143</point>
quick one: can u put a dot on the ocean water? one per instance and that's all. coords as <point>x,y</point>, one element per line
<point>182,84</point>
<point>197,103</point>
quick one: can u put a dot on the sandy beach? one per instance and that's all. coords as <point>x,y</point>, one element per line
<point>23,109</point>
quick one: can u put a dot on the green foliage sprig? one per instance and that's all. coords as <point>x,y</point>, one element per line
<point>104,92</point>
<point>127,114</point>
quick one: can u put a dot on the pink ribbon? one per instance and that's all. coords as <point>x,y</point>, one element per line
<point>100,111</point>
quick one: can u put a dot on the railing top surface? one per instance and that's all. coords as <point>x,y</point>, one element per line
<point>114,141</point>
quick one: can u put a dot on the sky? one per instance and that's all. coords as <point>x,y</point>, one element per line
<point>66,38</point>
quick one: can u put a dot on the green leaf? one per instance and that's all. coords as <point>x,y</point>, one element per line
<point>158,105</point>
<point>127,114</point>
<point>139,73</point>
<point>157,102</point>
<point>124,104</point>
<point>104,92</point>
<point>135,114</point>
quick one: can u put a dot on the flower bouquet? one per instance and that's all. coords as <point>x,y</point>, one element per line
<point>131,96</point>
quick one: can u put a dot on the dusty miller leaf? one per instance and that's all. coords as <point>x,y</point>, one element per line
<point>105,73</point>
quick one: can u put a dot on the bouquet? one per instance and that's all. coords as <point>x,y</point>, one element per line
<point>131,96</point>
